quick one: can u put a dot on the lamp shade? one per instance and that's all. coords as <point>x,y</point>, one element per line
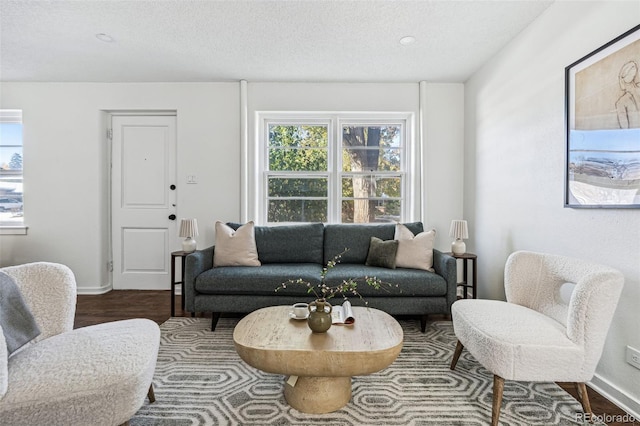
<point>188,228</point>
<point>459,229</point>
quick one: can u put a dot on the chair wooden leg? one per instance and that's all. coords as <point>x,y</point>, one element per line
<point>151,394</point>
<point>498,388</point>
<point>584,398</point>
<point>456,355</point>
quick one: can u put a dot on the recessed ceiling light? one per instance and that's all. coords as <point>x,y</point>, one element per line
<point>105,37</point>
<point>407,40</point>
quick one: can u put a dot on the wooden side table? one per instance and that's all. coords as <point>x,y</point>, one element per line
<point>183,257</point>
<point>466,257</point>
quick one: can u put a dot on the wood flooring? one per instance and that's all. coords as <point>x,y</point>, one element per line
<point>155,305</point>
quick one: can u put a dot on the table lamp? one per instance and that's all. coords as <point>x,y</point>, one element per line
<point>459,231</point>
<point>189,229</point>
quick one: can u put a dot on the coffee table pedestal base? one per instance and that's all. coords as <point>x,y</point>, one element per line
<point>318,395</point>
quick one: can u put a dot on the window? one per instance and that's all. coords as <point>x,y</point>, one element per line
<point>297,176</point>
<point>11,168</point>
<point>372,173</point>
<point>349,169</point>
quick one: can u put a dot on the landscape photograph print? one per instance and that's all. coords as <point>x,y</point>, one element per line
<point>603,126</point>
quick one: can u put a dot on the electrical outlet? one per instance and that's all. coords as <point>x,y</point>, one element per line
<point>633,357</point>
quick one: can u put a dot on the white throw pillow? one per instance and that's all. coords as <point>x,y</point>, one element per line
<point>235,248</point>
<point>415,252</point>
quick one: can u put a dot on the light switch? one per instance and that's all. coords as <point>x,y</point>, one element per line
<point>191,179</point>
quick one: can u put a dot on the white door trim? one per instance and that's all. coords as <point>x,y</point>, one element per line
<point>108,116</point>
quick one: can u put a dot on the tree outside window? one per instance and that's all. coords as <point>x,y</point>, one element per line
<point>372,173</point>
<point>297,178</point>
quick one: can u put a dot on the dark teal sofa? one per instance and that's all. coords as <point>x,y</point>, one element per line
<point>300,251</point>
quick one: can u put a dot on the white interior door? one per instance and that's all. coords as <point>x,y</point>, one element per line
<point>143,199</point>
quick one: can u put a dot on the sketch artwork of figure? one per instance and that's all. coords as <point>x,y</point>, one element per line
<point>628,104</point>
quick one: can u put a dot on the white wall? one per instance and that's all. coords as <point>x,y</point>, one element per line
<point>514,170</point>
<point>65,168</point>
<point>443,115</point>
<point>440,109</point>
<point>66,179</point>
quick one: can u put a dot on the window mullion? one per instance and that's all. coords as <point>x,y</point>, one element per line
<point>335,198</point>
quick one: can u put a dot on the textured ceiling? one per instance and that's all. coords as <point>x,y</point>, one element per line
<point>255,40</point>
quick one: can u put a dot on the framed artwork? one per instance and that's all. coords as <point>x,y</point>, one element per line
<point>602,120</point>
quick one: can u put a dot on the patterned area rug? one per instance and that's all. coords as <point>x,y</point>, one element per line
<point>200,380</point>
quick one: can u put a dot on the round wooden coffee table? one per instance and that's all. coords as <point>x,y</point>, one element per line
<point>320,366</point>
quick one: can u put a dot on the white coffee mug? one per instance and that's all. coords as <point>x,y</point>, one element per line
<point>301,310</point>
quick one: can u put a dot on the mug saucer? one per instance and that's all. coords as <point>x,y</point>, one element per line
<point>293,316</point>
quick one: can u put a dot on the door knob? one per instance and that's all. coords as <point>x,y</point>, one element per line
<point>172,187</point>
<point>172,217</point>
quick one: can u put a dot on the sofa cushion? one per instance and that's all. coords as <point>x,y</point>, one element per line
<point>410,282</point>
<point>356,237</point>
<point>258,281</point>
<point>289,243</point>
<point>235,247</point>
<point>414,251</point>
<point>382,253</point>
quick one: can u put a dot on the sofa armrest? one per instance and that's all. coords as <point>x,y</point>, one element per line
<point>446,266</point>
<point>195,264</point>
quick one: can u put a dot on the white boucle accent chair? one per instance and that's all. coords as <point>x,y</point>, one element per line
<point>536,335</point>
<point>97,375</point>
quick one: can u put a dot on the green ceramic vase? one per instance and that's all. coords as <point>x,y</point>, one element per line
<point>319,316</point>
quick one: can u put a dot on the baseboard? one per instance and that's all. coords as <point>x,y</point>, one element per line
<point>616,396</point>
<point>105,288</point>
<point>144,287</point>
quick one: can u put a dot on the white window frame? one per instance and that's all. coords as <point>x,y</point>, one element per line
<point>334,122</point>
<point>13,227</point>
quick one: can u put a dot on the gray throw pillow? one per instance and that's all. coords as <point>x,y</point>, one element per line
<point>17,322</point>
<point>382,253</point>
